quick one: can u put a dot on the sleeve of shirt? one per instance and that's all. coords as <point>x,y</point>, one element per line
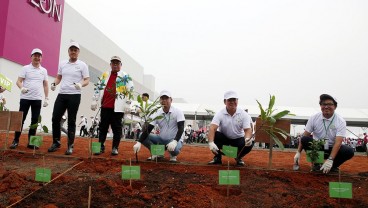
<point>247,120</point>
<point>309,126</point>
<point>46,75</point>
<point>180,116</point>
<point>22,73</point>
<point>341,129</point>
<point>60,68</point>
<point>85,72</point>
<point>216,119</point>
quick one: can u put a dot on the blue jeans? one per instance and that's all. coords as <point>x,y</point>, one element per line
<point>155,139</point>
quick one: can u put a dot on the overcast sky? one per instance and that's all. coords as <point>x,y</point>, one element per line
<point>198,49</point>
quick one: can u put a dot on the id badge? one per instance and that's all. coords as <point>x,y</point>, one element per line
<point>326,147</point>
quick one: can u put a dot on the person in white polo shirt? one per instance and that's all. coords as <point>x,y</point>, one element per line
<point>171,129</point>
<point>330,127</point>
<point>230,126</point>
<point>72,75</point>
<point>33,84</point>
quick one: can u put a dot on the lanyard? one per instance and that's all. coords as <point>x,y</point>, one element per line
<point>324,124</point>
<point>167,120</point>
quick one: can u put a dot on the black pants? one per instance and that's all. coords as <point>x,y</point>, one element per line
<point>109,117</point>
<point>65,102</point>
<point>221,139</point>
<point>345,153</point>
<point>83,131</point>
<point>24,106</point>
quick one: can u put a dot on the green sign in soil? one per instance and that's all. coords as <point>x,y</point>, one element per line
<point>320,157</point>
<point>36,141</point>
<point>230,151</point>
<point>341,190</point>
<point>5,82</point>
<point>96,147</point>
<point>130,172</point>
<point>43,174</point>
<point>157,149</point>
<point>229,177</point>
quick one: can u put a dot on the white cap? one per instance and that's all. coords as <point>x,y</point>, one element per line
<point>36,50</point>
<point>165,93</point>
<point>115,58</point>
<point>75,44</point>
<point>230,94</point>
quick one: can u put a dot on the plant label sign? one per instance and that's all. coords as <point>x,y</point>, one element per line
<point>230,151</point>
<point>5,82</point>
<point>36,141</point>
<point>130,172</point>
<point>341,190</point>
<point>96,147</point>
<point>229,177</point>
<point>43,174</point>
<point>157,149</point>
<point>320,157</point>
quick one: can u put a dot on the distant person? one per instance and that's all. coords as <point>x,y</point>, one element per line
<point>330,127</point>
<point>365,140</point>
<point>230,126</point>
<point>2,98</point>
<point>72,75</point>
<point>33,84</point>
<point>83,126</point>
<point>113,104</point>
<point>171,129</point>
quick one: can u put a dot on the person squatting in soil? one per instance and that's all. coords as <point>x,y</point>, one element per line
<point>113,104</point>
<point>230,126</point>
<point>171,127</point>
<point>72,75</point>
<point>330,127</point>
<point>32,80</point>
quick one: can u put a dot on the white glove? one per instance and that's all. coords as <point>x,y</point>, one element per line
<point>78,86</point>
<point>213,147</point>
<point>326,167</point>
<point>46,102</point>
<point>297,157</point>
<point>172,145</point>
<point>137,147</point>
<point>53,86</point>
<point>94,105</point>
<point>248,142</point>
<point>24,90</point>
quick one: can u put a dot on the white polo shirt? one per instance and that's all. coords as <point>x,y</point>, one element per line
<point>33,81</point>
<point>322,127</point>
<point>232,126</point>
<point>72,73</point>
<point>169,123</point>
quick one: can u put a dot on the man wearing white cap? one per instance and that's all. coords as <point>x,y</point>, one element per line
<point>171,128</point>
<point>230,126</point>
<point>32,82</point>
<point>72,75</point>
<point>113,93</point>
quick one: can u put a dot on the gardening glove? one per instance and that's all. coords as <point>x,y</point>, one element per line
<point>297,157</point>
<point>46,102</point>
<point>78,86</point>
<point>213,147</point>
<point>94,105</point>
<point>23,90</point>
<point>53,86</point>
<point>248,142</point>
<point>2,89</point>
<point>137,147</point>
<point>326,167</point>
<point>172,145</point>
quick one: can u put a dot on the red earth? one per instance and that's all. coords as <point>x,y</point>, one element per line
<point>188,183</point>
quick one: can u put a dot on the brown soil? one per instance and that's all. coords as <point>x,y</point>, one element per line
<point>188,183</point>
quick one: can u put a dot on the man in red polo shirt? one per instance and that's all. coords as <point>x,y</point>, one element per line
<point>110,90</point>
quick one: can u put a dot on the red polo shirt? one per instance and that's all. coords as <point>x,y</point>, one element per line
<point>108,99</point>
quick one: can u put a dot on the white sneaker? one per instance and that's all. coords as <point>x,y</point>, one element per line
<point>172,158</point>
<point>153,157</point>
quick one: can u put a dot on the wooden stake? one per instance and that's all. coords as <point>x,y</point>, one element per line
<point>89,197</point>
<point>228,168</point>
<point>130,178</point>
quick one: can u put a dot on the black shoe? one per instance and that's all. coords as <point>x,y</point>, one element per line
<point>215,161</point>
<point>316,167</point>
<point>69,151</point>
<point>32,147</point>
<point>14,145</point>
<point>239,162</point>
<point>114,151</point>
<point>54,147</point>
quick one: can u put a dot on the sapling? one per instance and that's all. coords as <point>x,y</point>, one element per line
<point>315,146</point>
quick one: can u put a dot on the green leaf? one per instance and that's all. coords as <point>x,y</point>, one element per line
<point>276,139</point>
<point>271,104</point>
<point>34,126</point>
<point>271,120</point>
<point>45,129</point>
<point>281,114</point>
<point>263,113</point>
<point>39,119</point>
